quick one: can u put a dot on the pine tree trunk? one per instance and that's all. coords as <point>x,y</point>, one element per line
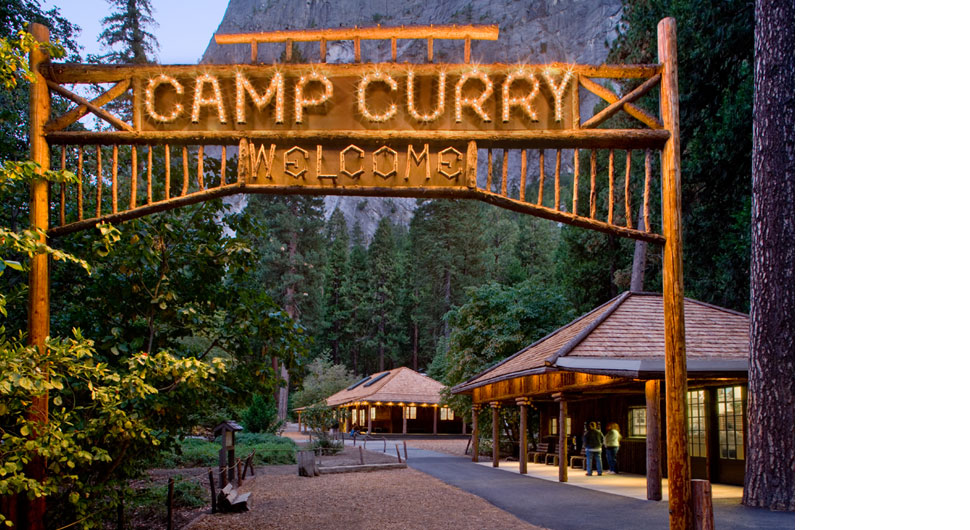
<point>770,464</point>
<point>414,346</point>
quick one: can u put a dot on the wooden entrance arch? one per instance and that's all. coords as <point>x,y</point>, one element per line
<point>387,129</point>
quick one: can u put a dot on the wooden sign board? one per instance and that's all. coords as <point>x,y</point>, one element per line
<point>353,166</point>
<point>360,97</point>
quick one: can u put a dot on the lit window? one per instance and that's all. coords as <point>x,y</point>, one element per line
<point>373,413</point>
<point>569,425</point>
<point>637,420</point>
<point>410,412</point>
<point>353,415</point>
<point>696,424</point>
<point>553,425</point>
<point>730,423</point>
<point>447,413</point>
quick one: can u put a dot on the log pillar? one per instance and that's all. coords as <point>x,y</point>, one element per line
<point>654,474</point>
<point>367,408</point>
<point>475,433</point>
<point>38,326</point>
<point>563,438</point>
<point>495,406</point>
<point>434,421</point>
<point>404,419</point>
<point>675,358</point>
<point>523,404</point>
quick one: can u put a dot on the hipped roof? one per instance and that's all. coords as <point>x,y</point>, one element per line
<point>400,384</point>
<point>625,337</point>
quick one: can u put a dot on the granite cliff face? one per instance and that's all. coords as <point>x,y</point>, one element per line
<point>577,31</point>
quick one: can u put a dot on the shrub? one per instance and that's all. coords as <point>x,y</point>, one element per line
<point>260,416</point>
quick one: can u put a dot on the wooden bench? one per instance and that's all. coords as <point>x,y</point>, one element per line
<point>230,501</point>
<point>580,458</point>
<point>542,450</point>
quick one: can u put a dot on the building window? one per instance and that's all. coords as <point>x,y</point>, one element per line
<point>553,425</point>
<point>696,424</point>
<point>353,415</point>
<point>411,412</point>
<point>447,413</point>
<point>373,413</point>
<point>730,423</point>
<point>569,425</point>
<point>637,422</point>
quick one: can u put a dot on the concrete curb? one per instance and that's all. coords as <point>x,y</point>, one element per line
<point>360,469</point>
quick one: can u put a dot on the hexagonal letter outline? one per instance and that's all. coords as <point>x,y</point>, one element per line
<point>383,151</point>
<point>287,163</point>
<point>343,161</point>
<point>458,157</point>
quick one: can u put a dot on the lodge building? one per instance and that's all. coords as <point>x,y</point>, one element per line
<point>398,401</point>
<point>608,366</point>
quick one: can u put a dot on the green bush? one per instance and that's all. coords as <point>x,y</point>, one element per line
<point>260,416</point>
<point>270,450</point>
<point>186,493</point>
<point>252,438</point>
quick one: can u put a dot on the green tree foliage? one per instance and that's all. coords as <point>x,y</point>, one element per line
<point>260,415</point>
<point>126,30</point>
<point>322,380</point>
<point>385,279</point>
<point>715,52</point>
<point>494,323</point>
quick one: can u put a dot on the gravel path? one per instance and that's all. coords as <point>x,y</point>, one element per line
<point>394,499</point>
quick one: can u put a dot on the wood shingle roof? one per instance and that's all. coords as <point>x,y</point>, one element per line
<point>626,336</point>
<point>399,385</point>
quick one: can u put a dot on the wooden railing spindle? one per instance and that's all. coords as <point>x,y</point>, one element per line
<point>609,211</point>
<point>524,163</point>
<point>148,169</point>
<point>114,179</point>
<point>542,174</point>
<point>168,170</point>
<point>488,176</point>
<point>222,168</point>
<point>646,191</point>
<point>80,183</point>
<point>505,173</point>
<point>63,194</point>
<point>185,170</point>
<point>393,49</point>
<point>626,191</point>
<point>97,208</point>
<point>592,183</point>
<point>134,177</point>
<point>558,167</point>
<point>575,181</point>
<point>201,170</point>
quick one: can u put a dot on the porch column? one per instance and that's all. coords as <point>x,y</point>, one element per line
<point>523,404</point>
<point>654,477</point>
<point>368,417</point>
<point>563,438</point>
<point>464,426</point>
<point>495,406</point>
<point>475,433</point>
<point>434,422</point>
<point>404,419</point>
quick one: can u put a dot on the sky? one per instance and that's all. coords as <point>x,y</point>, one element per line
<point>183,32</point>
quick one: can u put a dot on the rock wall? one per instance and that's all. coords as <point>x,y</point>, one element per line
<point>577,31</point>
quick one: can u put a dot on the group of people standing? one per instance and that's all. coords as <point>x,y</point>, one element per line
<point>596,442</point>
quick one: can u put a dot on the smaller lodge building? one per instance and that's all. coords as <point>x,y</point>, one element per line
<point>398,401</point>
<point>608,366</point>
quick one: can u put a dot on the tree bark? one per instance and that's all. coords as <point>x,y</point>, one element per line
<point>770,460</point>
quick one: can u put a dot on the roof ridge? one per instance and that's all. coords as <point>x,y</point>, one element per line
<point>694,300</point>
<point>585,332</point>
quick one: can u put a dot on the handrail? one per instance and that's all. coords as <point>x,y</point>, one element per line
<point>474,32</point>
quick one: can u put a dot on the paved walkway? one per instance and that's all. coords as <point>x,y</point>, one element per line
<point>572,506</point>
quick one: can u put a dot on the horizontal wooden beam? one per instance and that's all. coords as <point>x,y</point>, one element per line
<point>631,109</point>
<point>80,111</point>
<point>102,73</point>
<point>97,111</point>
<point>371,33</point>
<point>515,139</point>
<point>619,104</point>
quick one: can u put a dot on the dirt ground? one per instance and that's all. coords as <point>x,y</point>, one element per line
<point>391,499</point>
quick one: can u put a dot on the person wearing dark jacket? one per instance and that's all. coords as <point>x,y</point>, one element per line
<point>593,442</point>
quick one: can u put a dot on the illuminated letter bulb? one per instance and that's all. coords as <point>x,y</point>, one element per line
<point>526,101</point>
<point>299,93</point>
<point>439,109</point>
<point>558,90</point>
<point>375,77</point>
<point>150,98</point>
<point>244,86</point>
<point>216,100</point>
<point>475,104</point>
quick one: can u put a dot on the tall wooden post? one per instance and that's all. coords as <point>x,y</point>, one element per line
<point>39,288</point>
<point>475,433</point>
<point>495,405</point>
<point>404,419</point>
<point>654,475</point>
<point>523,434</point>
<point>563,437</point>
<point>434,420</point>
<point>367,407</point>
<point>675,365</point>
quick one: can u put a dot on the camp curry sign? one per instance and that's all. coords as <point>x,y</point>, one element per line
<point>419,129</point>
<point>468,98</point>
